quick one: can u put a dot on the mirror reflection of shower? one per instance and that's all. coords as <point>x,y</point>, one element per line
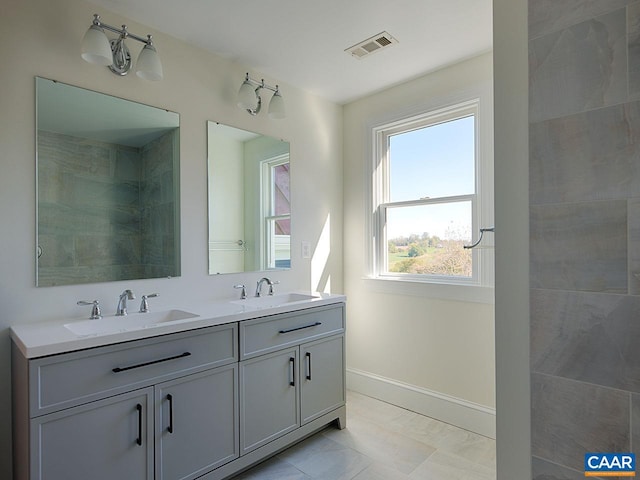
<point>107,187</point>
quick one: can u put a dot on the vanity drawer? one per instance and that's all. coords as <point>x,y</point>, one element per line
<point>69,379</point>
<point>268,334</point>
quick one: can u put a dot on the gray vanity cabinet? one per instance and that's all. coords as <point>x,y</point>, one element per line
<point>105,412</point>
<point>199,404</point>
<point>81,443</point>
<point>322,381</point>
<point>269,391</point>
<point>196,423</point>
<point>293,372</point>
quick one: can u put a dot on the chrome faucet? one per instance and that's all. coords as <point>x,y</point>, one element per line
<point>268,282</point>
<point>122,302</point>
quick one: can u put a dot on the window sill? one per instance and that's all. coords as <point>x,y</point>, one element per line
<point>441,291</point>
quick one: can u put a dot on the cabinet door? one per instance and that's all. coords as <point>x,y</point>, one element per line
<point>322,382</point>
<point>103,440</point>
<point>196,423</point>
<point>268,398</point>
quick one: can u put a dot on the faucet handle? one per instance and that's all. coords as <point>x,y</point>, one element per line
<point>95,311</point>
<point>243,294</point>
<point>271,284</point>
<point>144,305</point>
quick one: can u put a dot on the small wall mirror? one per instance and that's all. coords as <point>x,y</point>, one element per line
<point>107,188</point>
<point>249,201</point>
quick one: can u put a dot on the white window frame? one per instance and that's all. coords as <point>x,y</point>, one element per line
<point>478,288</point>
<point>267,237</point>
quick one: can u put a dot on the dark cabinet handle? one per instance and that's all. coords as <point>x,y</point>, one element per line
<point>123,369</point>
<point>292,371</point>
<point>139,409</point>
<point>170,400</point>
<point>295,329</point>
<point>308,355</point>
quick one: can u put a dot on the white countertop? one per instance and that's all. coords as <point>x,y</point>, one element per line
<point>50,338</point>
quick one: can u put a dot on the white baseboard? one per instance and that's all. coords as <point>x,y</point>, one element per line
<point>446,408</point>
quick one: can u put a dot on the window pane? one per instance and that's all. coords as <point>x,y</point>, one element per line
<point>278,243</point>
<point>283,227</point>
<point>434,161</point>
<point>281,190</point>
<point>428,239</point>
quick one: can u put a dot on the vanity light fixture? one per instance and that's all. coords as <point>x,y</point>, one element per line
<point>249,98</point>
<point>98,49</point>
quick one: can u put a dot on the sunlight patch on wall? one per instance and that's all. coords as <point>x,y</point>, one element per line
<point>320,278</point>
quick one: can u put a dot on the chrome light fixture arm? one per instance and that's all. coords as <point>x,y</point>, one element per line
<point>255,111</point>
<point>122,31</point>
<point>121,55</point>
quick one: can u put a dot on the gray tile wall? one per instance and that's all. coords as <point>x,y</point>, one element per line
<point>159,231</point>
<point>88,210</point>
<point>584,98</point>
<point>101,215</point>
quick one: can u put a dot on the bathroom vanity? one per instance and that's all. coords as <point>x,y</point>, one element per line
<point>199,397</point>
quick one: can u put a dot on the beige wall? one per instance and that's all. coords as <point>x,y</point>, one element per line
<point>40,37</point>
<point>444,346</point>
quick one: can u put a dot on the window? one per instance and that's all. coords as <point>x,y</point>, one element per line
<point>276,208</point>
<point>428,200</point>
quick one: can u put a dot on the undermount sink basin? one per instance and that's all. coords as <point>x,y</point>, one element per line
<point>133,321</point>
<point>269,301</point>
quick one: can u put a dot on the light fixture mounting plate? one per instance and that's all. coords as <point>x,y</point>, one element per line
<point>121,57</point>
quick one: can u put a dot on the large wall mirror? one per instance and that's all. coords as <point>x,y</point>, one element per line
<point>249,201</point>
<point>107,188</point>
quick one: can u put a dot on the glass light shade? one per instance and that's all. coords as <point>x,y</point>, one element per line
<point>95,47</point>
<point>148,65</point>
<point>247,96</point>
<point>276,106</point>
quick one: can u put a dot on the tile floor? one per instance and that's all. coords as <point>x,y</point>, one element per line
<point>383,442</point>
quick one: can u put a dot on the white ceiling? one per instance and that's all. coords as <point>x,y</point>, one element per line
<point>302,42</point>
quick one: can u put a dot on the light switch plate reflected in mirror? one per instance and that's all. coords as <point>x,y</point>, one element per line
<point>306,250</point>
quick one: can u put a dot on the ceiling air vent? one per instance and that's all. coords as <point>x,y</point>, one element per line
<point>371,45</point>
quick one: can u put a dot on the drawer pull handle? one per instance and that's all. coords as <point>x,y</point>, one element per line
<point>139,409</point>
<point>308,355</point>
<point>170,427</point>
<point>123,369</point>
<point>295,329</point>
<point>292,371</point>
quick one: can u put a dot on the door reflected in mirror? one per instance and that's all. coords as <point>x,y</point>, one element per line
<point>249,201</point>
<point>107,188</point>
